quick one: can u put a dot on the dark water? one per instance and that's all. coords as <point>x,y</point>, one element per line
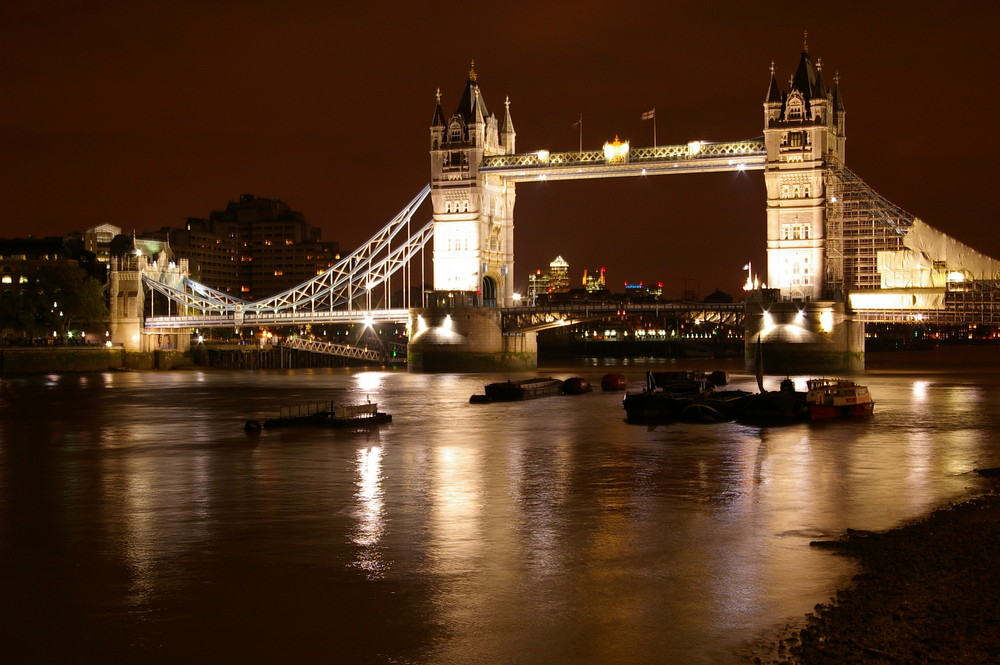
<point>139,523</point>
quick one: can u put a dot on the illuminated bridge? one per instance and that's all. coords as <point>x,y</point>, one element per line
<point>834,245</point>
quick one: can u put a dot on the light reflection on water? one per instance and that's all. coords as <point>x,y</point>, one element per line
<point>139,518</point>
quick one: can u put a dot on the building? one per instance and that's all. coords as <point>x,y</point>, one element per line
<point>20,258</point>
<point>553,280</point>
<point>473,215</point>
<point>255,248</point>
<point>804,132</point>
<point>595,281</point>
<point>98,240</point>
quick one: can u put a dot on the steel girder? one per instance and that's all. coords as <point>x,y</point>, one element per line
<point>354,276</point>
<point>696,156</point>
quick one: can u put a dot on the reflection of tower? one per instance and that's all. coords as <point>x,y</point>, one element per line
<point>803,133</point>
<point>473,212</point>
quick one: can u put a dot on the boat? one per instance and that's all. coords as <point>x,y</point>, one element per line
<point>576,385</point>
<point>776,407</point>
<point>682,395</point>
<point>323,415</point>
<point>521,389</point>
<point>837,398</point>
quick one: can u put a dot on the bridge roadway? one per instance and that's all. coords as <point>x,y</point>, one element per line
<point>615,161</point>
<point>514,319</point>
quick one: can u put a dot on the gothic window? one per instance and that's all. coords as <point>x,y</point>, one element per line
<point>805,191</point>
<point>795,108</point>
<point>455,132</point>
<point>796,139</point>
<point>785,191</point>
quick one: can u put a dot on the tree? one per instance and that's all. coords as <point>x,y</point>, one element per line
<point>61,297</point>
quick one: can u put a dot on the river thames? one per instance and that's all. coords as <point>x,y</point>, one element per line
<point>140,523</point>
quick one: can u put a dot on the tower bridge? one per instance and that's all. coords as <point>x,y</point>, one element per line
<point>838,253</point>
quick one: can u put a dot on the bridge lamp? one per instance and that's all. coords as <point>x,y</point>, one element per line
<point>543,155</point>
<point>694,147</point>
<point>826,320</point>
<point>800,316</point>
<point>741,167</point>
<point>956,276</point>
<point>516,297</point>
<point>369,320</point>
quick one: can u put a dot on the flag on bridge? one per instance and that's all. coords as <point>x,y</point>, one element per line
<point>649,115</point>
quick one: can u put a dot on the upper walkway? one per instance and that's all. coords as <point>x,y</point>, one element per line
<point>620,159</point>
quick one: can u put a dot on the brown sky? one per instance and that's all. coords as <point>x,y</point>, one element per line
<point>142,114</point>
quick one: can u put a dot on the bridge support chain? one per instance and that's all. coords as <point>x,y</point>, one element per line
<point>816,337</point>
<point>467,339</point>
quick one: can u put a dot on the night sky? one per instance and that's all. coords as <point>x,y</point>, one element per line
<point>143,114</point>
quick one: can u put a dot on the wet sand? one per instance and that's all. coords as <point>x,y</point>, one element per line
<point>927,592</point>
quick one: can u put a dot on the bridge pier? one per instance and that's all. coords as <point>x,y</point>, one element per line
<point>466,339</point>
<point>815,337</point>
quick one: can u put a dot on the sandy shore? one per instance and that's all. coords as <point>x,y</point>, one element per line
<point>928,592</point>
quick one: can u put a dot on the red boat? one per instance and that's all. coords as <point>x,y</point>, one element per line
<point>837,398</point>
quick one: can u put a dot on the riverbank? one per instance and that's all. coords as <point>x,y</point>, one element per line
<point>928,592</point>
<point>61,359</point>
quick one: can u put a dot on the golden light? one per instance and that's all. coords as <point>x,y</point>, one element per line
<point>616,152</point>
<point>694,147</point>
<point>826,320</point>
<point>543,155</point>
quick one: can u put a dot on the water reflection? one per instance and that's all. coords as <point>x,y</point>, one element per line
<point>546,531</point>
<point>370,513</point>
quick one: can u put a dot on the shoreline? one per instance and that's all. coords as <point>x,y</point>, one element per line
<point>927,591</point>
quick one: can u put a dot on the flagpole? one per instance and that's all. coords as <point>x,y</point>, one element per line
<point>581,134</point>
<point>654,126</point>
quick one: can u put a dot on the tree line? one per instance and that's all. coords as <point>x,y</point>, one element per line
<point>57,299</point>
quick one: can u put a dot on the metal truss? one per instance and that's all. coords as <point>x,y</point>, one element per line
<point>697,156</point>
<point>352,278</point>
<point>330,349</point>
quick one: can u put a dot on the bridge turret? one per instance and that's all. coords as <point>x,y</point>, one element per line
<point>473,212</point>
<point>803,134</point>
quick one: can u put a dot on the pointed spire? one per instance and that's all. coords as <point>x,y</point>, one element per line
<point>838,103</point>
<point>804,79</point>
<point>472,103</point>
<point>773,91</point>
<point>438,119</point>
<point>508,124</point>
<point>508,127</point>
<point>819,90</point>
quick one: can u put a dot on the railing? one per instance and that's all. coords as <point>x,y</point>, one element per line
<point>693,150</point>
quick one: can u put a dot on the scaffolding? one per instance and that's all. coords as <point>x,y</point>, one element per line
<point>860,223</point>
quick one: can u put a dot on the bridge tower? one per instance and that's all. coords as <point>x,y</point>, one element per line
<point>473,211</point>
<point>803,135</point>
<point>801,323</point>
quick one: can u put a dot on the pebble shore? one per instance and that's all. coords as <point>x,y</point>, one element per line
<point>928,592</point>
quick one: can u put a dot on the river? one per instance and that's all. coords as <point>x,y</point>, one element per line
<point>140,523</point>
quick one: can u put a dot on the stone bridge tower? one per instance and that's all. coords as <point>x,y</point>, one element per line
<point>803,134</point>
<point>473,212</point>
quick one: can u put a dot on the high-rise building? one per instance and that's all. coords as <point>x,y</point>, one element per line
<point>553,280</point>
<point>255,248</point>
